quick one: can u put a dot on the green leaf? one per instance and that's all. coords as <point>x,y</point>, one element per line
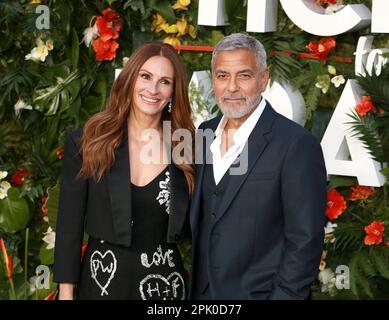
<point>233,7</point>
<point>139,37</point>
<point>321,118</point>
<point>74,49</point>
<point>14,212</point>
<point>216,37</point>
<point>52,205</point>
<point>340,181</point>
<point>164,8</point>
<point>46,255</point>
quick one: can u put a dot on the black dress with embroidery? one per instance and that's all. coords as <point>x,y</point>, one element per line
<point>151,269</point>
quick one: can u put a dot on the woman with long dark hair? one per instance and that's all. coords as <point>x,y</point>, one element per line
<point>119,187</point>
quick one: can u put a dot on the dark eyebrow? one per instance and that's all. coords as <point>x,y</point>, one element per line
<point>220,71</point>
<point>247,71</point>
<point>143,70</point>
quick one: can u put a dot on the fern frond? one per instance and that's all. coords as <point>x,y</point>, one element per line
<point>368,136</point>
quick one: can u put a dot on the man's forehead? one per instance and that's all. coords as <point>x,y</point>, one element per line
<point>240,59</point>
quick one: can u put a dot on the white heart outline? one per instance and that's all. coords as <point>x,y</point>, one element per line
<point>93,272</point>
<point>166,280</point>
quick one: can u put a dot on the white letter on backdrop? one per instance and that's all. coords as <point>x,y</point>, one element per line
<point>339,144</point>
<point>380,22</point>
<point>310,17</point>
<point>262,15</point>
<point>212,13</point>
<point>287,101</point>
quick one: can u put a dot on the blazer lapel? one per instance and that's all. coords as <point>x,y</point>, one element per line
<point>179,201</point>
<point>196,199</point>
<point>256,144</point>
<point>119,188</point>
<point>206,158</point>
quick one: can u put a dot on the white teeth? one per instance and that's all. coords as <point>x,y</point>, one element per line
<point>149,99</point>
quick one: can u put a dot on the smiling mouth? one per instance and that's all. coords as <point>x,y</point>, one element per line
<point>150,100</point>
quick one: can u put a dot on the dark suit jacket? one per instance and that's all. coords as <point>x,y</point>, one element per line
<point>267,238</point>
<point>103,209</point>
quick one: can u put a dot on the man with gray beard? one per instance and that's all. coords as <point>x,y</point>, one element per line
<point>258,209</point>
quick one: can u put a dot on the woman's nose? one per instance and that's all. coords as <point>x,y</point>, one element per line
<point>153,87</point>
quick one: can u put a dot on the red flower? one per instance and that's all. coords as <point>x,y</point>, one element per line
<point>52,295</point>
<point>20,176</point>
<point>366,106</point>
<point>375,233</point>
<point>324,2</point>
<point>108,24</point>
<point>59,153</point>
<point>323,47</point>
<point>105,50</point>
<point>335,204</point>
<point>43,207</point>
<point>44,210</point>
<point>8,261</point>
<point>360,193</point>
<point>112,15</point>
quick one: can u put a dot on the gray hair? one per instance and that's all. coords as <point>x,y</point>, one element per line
<point>237,41</point>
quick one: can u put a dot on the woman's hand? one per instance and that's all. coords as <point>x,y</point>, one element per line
<point>66,291</point>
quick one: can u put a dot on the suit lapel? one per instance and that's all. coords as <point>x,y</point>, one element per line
<point>196,200</point>
<point>179,201</point>
<point>119,188</point>
<point>206,158</point>
<point>255,145</point>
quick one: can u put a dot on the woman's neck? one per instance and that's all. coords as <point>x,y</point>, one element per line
<point>138,123</point>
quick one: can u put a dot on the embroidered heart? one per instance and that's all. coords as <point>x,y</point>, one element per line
<point>156,286</point>
<point>103,268</point>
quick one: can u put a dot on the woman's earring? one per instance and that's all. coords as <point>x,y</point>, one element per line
<point>170,105</point>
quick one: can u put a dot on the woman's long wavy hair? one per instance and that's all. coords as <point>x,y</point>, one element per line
<point>104,131</point>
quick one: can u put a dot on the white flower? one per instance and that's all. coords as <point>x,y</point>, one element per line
<point>21,105</point>
<point>31,285</point>
<point>331,70</point>
<point>3,174</point>
<point>332,8</point>
<point>330,227</point>
<point>328,279</point>
<point>323,88</point>
<point>38,53</point>
<point>49,44</point>
<point>125,60</point>
<point>90,34</point>
<point>338,80</point>
<point>49,238</point>
<point>326,276</point>
<point>4,186</point>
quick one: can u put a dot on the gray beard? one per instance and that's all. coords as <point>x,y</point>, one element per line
<point>235,110</point>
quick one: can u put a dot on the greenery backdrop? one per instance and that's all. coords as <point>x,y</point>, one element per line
<point>52,80</point>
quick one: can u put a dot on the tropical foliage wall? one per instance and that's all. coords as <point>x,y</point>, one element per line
<point>53,79</point>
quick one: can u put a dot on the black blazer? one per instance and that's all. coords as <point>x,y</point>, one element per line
<point>103,209</point>
<point>266,239</point>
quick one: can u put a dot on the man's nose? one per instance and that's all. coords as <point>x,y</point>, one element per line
<point>232,85</point>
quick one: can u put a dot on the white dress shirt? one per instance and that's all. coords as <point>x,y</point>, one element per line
<point>222,163</point>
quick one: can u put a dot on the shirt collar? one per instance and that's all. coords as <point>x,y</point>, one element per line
<point>243,132</point>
